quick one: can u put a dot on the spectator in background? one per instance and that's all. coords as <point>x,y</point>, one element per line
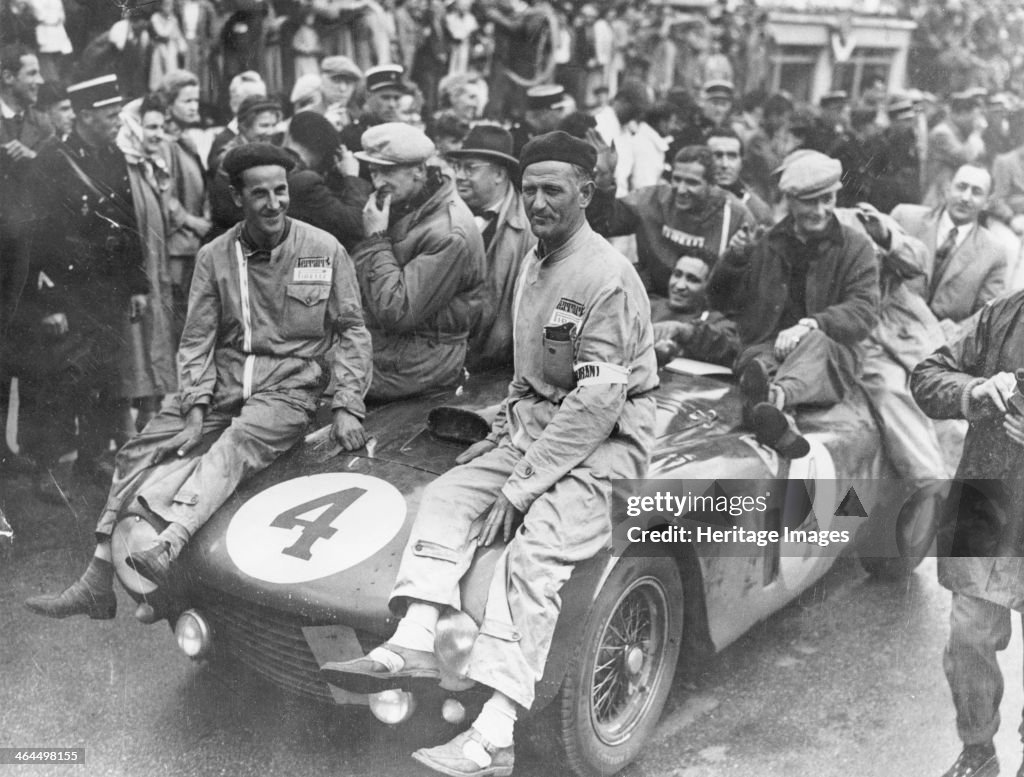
<point>52,40</point>
<point>727,151</point>
<point>243,85</point>
<point>716,104</point>
<point>169,44</point>
<point>306,94</point>
<point>54,103</point>
<point>461,26</point>
<point>545,107</point>
<point>385,87</point>
<point>769,146</point>
<point>340,78</point>
<point>199,27</point>
<point>897,162</point>
<point>464,94</point>
<point>746,122</point>
<point>951,143</point>
<point>1007,201</point>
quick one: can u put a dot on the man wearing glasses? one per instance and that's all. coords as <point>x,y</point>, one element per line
<point>486,178</point>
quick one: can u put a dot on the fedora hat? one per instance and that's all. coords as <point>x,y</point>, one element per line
<point>488,141</point>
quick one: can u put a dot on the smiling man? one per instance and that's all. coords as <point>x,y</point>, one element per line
<point>669,218</point>
<point>967,264</point>
<point>270,300</point>
<point>803,298</point>
<point>578,413</point>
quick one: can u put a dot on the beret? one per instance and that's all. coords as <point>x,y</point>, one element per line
<point>241,158</point>
<point>810,175</point>
<point>316,133</point>
<point>395,143</point>
<point>339,65</point>
<point>558,146</point>
<point>257,103</point>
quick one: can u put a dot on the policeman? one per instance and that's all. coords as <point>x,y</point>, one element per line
<point>578,413</point>
<point>270,300</point>
<point>88,273</point>
<point>385,88</point>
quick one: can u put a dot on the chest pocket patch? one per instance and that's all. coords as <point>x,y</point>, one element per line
<point>305,308</point>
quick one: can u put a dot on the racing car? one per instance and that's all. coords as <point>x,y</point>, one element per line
<point>296,568</point>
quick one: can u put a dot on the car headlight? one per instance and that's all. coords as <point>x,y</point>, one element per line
<point>453,711</point>
<point>392,706</point>
<point>193,634</point>
<point>454,636</point>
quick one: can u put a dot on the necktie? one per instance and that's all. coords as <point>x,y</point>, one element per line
<point>487,222</point>
<point>942,255</point>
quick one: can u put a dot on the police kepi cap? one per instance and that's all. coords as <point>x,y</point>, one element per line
<point>719,87</point>
<point>558,147</point>
<point>811,175</point>
<point>395,143</point>
<point>545,96</point>
<point>241,158</point>
<point>99,92</point>
<point>386,77</point>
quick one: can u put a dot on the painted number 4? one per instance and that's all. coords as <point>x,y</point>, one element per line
<point>319,528</point>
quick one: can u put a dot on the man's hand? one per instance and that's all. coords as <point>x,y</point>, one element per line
<point>607,160</point>
<point>376,219</point>
<point>17,150</point>
<point>788,339</point>
<point>198,225</point>
<point>186,440</point>
<point>1017,224</point>
<point>474,450</point>
<point>996,390</point>
<point>680,332</point>
<point>1013,425</point>
<point>348,430</point>
<point>504,517</point>
<point>139,305</point>
<point>55,325</point>
<point>873,224</point>
<point>345,162</point>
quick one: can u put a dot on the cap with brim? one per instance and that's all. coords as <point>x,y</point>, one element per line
<point>833,98</point>
<point>719,88</point>
<point>306,86</point>
<point>256,103</point>
<point>901,109</point>
<point>339,65</point>
<point>963,101</point>
<point>488,142</point>
<point>241,158</point>
<point>395,143</point>
<point>99,92</point>
<point>811,175</point>
<point>541,98</point>
<point>558,146</point>
<point>386,77</point>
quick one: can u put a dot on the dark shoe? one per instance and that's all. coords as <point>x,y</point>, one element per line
<point>153,563</point>
<point>772,427</point>
<point>365,675</point>
<point>754,383</point>
<point>975,761</point>
<point>76,599</point>
<point>453,760</point>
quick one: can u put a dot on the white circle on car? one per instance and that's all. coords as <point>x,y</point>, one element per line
<point>315,526</point>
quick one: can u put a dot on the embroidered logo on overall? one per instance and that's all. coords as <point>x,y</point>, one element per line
<point>679,237</point>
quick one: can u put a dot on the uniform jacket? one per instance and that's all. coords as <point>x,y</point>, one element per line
<point>662,231</point>
<point>974,273</point>
<point>842,285</point>
<point>562,408</point>
<point>491,343</point>
<point>1008,184</point>
<point>15,208</point>
<point>947,150</point>
<point>940,383</point>
<point>422,286</point>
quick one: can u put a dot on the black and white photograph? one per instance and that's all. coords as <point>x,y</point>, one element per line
<point>511,387</point>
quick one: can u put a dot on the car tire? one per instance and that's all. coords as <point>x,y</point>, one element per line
<point>914,537</point>
<point>617,683</point>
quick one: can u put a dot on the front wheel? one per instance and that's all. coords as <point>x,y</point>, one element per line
<point>617,685</point>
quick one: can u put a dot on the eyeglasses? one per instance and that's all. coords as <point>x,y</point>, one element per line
<point>725,154</point>
<point>467,168</point>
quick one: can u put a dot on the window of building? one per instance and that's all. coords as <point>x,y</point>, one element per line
<point>864,66</point>
<point>793,70</point>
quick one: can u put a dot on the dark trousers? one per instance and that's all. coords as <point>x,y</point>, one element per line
<point>978,629</point>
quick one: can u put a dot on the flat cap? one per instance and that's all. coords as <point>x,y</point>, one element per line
<point>386,77</point>
<point>241,158</point>
<point>719,87</point>
<point>558,146</point>
<point>545,96</point>
<point>810,175</point>
<point>99,92</point>
<point>339,65</point>
<point>395,143</point>
<point>257,103</point>
<point>306,86</point>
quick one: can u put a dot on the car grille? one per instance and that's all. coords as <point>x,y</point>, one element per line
<point>268,641</point>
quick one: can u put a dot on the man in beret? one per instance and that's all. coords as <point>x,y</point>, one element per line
<point>803,298</point>
<point>578,412</point>
<point>420,266</point>
<point>485,177</point>
<point>270,300</point>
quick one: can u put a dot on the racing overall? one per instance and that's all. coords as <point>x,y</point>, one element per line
<point>577,414</point>
<point>258,324</point>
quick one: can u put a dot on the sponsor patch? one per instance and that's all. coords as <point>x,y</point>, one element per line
<point>599,373</point>
<point>313,274</point>
<point>314,261</point>
<point>681,238</point>
<point>568,311</point>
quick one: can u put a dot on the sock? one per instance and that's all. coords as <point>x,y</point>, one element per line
<point>496,720</point>
<point>175,537</point>
<point>777,396</point>
<point>414,636</point>
<point>98,576</point>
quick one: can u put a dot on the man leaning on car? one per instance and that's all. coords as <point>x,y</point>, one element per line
<point>578,413</point>
<point>270,299</point>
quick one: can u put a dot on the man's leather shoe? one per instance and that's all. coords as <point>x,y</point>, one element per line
<point>772,427</point>
<point>368,675</point>
<point>975,761</point>
<point>153,563</point>
<point>467,756</point>
<point>76,599</point>
<point>754,383</point>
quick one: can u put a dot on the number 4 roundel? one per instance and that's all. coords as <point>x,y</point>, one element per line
<point>312,527</point>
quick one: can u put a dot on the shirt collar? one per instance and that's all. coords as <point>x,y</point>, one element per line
<point>7,112</point>
<point>946,224</point>
<point>254,254</point>
<point>574,242</point>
